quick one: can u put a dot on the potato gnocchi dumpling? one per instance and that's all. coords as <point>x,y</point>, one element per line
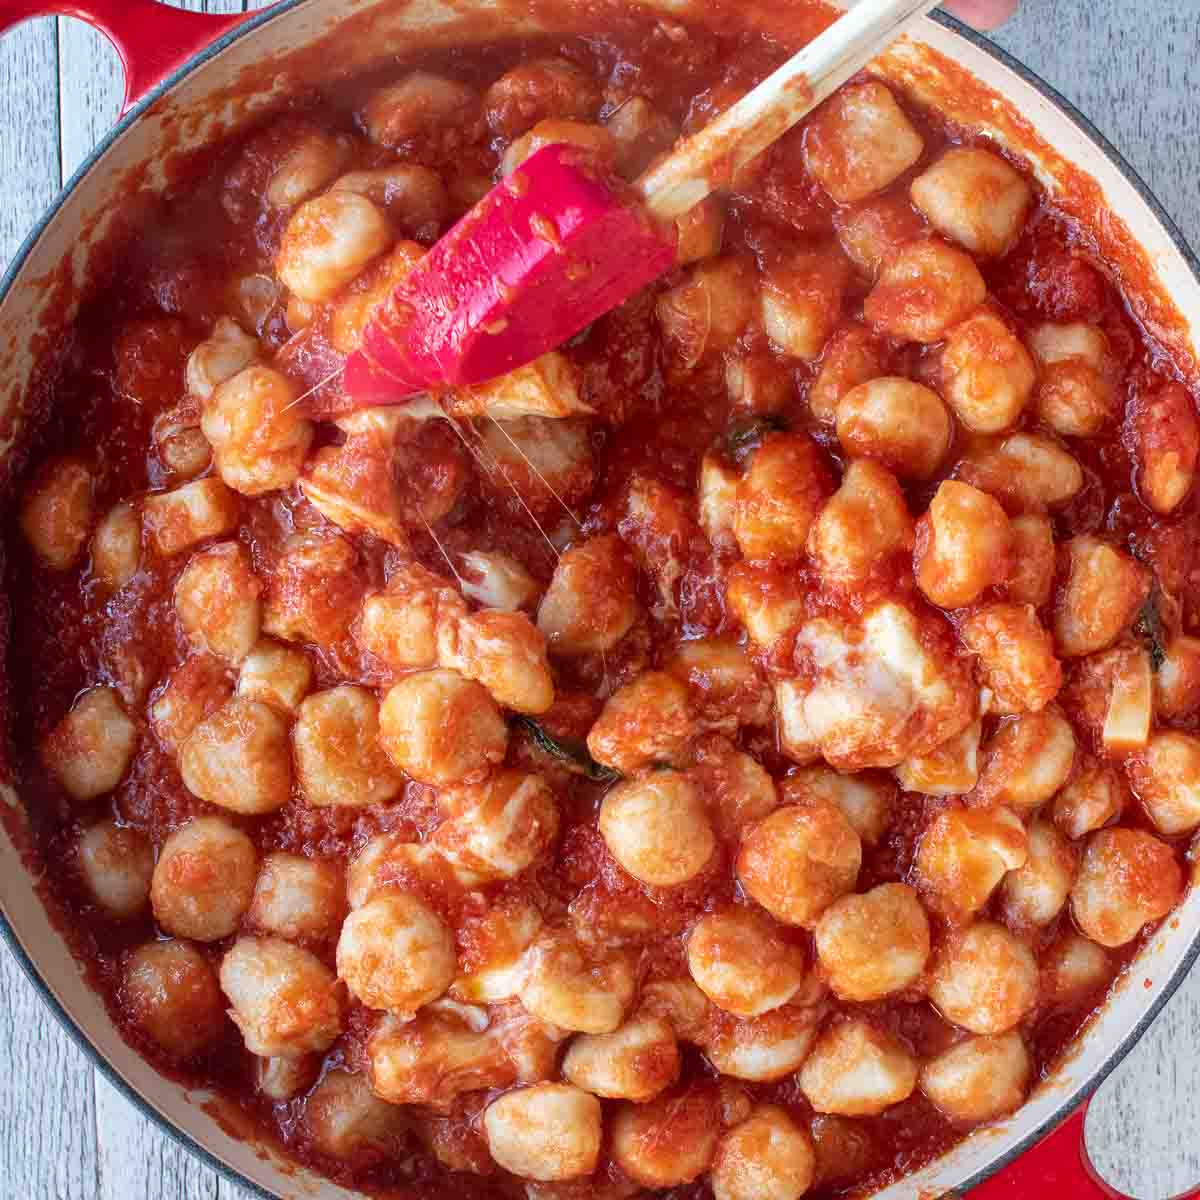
<point>217,601</point>
<point>56,515</point>
<point>657,829</point>
<point>872,232</point>
<point>855,1070</point>
<point>1104,588</point>
<point>396,953</point>
<point>779,496</point>
<point>190,694</point>
<point>591,602</point>
<point>743,963</point>
<point>177,520</point>
<point>276,675</point>
<point>979,1079</point>
<point>1026,472</point>
<point>204,879</point>
<point>1165,435</point>
<point>1015,656</point>
<point>285,1001</point>
<point>984,979</point>
<point>239,758</point>
<point>298,898</point>
<point>313,590</point>
<point>1166,779</point>
<point>709,310</point>
<point>117,864</point>
<point>768,1156</point>
<point>635,1062</point>
<point>173,997</point>
<point>974,197</point>
<point>965,853</point>
<point>871,945</point>
<point>505,652</point>
<point>1027,760</point>
<point>924,289</point>
<point>339,758</point>
<point>964,545</point>
<point>800,301</point>
<point>669,1141</point>
<point>727,689</point>
<point>1034,893</point>
<point>346,1120</point>
<point>226,352</point>
<point>441,728</point>
<point>548,1131</point>
<point>860,141</point>
<point>987,374</point>
<point>765,1049</point>
<point>117,546</point>
<point>1030,575</point>
<point>1127,878</point>
<point>91,748</point>
<point>799,860</point>
<point>1073,968</point>
<point>1096,795</point>
<point>902,424</point>
<point>258,434</point>
<point>861,525</point>
<point>647,722</point>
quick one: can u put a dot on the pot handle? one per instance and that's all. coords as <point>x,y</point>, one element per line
<point>1057,1168</point>
<point>151,39</point>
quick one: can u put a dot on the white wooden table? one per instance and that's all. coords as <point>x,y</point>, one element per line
<point>1132,65</point>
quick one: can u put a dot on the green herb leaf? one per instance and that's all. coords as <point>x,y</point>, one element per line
<point>572,753</point>
<point>742,437</point>
<point>1149,627</point>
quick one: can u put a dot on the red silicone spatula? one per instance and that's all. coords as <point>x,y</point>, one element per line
<point>561,241</point>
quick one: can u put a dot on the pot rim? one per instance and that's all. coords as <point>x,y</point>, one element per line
<point>8,935</point>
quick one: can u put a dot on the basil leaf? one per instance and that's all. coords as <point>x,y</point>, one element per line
<point>571,752</point>
<point>742,437</point>
<point>1149,627</point>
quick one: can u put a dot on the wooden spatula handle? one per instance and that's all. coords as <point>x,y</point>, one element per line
<point>709,159</point>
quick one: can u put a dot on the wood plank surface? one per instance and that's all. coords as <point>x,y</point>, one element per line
<point>66,1134</point>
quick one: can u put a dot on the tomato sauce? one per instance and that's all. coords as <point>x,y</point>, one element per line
<point>125,367</point>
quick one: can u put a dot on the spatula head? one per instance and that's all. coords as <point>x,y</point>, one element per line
<point>557,244</point>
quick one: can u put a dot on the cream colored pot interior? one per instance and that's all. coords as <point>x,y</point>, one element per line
<point>210,99</point>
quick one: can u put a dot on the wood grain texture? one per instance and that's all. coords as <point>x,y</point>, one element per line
<point>65,1133</point>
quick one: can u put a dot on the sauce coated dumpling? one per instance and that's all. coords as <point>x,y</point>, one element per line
<point>984,979</point>
<point>90,749</point>
<point>548,1131</point>
<point>657,829</point>
<point>441,728</point>
<point>339,759</point>
<point>285,1000</point>
<point>395,953</point>
<point>170,990</point>
<point>239,758</point>
<point>871,945</point>
<point>799,860</point>
<point>1127,878</point>
<point>204,879</point>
